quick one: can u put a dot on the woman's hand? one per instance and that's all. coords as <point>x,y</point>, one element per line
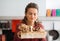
<point>19,34</point>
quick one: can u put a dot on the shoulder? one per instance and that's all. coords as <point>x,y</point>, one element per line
<point>21,24</point>
<point>40,24</point>
<point>18,25</point>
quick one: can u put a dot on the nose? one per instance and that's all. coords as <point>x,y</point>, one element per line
<point>32,16</point>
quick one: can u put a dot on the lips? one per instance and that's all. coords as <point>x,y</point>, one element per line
<point>31,18</point>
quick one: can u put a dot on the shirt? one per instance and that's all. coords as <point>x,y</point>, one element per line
<point>33,39</point>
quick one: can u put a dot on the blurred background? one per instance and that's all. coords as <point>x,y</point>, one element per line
<point>12,11</point>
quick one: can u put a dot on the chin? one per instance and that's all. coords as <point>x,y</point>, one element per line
<point>32,20</point>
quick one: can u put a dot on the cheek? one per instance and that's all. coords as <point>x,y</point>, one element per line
<point>35,17</point>
<point>28,17</point>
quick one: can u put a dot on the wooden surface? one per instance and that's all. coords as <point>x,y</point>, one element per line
<point>32,35</point>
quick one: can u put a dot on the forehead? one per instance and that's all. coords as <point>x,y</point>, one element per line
<point>33,10</point>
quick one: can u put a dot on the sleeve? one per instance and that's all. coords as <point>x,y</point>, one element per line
<point>15,35</point>
<point>44,39</point>
<point>39,24</point>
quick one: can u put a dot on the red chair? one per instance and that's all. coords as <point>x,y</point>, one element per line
<point>14,24</point>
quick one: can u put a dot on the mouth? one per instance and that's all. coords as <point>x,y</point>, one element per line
<point>32,18</point>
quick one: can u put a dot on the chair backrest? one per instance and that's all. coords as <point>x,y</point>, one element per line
<point>14,24</point>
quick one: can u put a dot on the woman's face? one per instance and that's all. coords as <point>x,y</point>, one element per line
<point>31,14</point>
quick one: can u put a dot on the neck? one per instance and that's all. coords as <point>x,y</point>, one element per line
<point>30,23</point>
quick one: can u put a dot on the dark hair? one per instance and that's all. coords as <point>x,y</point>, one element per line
<point>30,5</point>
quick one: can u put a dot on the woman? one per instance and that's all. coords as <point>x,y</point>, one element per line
<point>30,19</point>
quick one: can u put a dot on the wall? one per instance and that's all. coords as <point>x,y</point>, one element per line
<point>52,4</point>
<point>17,7</point>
